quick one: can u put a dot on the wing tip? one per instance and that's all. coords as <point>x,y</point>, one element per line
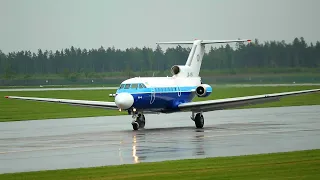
<point>6,97</point>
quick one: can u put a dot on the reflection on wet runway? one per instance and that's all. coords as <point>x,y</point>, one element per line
<point>98,141</point>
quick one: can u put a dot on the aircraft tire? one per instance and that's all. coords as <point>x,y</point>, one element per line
<point>142,121</point>
<point>199,120</point>
<point>135,126</point>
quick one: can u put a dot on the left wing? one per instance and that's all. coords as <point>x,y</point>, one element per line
<point>86,103</point>
<point>220,104</point>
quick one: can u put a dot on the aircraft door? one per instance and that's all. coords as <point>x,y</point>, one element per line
<point>152,95</point>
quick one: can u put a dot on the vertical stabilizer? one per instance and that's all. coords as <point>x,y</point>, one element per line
<point>195,57</point>
<point>194,61</point>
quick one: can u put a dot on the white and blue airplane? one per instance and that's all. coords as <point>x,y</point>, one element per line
<point>144,95</point>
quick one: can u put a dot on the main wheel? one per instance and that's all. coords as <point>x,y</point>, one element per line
<point>140,122</point>
<point>135,126</point>
<point>199,120</point>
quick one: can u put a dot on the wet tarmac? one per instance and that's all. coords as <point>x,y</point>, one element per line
<point>98,141</point>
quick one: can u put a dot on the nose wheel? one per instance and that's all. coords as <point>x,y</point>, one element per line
<point>198,120</point>
<point>138,122</point>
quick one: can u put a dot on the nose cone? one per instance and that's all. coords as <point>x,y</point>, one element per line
<point>124,100</point>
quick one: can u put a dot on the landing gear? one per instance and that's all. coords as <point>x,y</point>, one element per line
<point>139,121</point>
<point>198,120</point>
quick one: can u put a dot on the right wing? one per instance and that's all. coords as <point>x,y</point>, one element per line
<point>219,104</point>
<point>85,103</point>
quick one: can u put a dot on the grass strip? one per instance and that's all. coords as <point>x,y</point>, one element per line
<point>287,165</point>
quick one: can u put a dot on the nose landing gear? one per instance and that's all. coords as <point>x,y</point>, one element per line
<point>139,121</point>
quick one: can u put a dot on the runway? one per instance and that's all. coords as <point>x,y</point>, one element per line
<point>98,141</point>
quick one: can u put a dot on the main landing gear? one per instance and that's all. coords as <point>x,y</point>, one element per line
<point>139,121</point>
<point>198,120</point>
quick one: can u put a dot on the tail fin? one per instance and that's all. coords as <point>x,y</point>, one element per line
<point>194,60</point>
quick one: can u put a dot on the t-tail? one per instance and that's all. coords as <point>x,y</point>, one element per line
<point>194,61</point>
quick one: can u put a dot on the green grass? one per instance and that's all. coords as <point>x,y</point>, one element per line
<point>14,110</point>
<point>290,165</point>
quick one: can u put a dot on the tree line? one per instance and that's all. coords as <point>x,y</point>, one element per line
<point>269,54</point>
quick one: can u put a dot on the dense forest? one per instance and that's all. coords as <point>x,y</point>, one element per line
<point>270,54</point>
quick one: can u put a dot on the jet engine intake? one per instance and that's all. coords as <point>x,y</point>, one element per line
<point>181,71</point>
<point>203,90</point>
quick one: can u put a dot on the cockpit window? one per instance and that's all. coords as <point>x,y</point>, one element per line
<point>121,86</point>
<point>134,86</point>
<point>127,86</point>
<point>141,86</point>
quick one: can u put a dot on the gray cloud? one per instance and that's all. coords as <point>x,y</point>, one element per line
<point>57,24</point>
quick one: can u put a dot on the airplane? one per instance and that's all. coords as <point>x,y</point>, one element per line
<point>146,95</point>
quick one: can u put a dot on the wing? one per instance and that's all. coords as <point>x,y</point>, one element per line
<point>93,104</point>
<point>220,104</point>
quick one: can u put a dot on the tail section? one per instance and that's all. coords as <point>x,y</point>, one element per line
<point>195,57</point>
<point>194,61</point>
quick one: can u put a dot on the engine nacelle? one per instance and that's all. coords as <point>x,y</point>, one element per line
<point>203,90</point>
<point>182,71</point>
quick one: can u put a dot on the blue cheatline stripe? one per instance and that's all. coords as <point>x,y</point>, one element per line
<point>160,90</point>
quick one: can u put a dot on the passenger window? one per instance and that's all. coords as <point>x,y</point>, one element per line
<point>127,86</point>
<point>134,86</point>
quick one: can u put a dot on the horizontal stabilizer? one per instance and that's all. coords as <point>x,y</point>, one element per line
<point>224,41</point>
<point>177,42</point>
<point>206,41</point>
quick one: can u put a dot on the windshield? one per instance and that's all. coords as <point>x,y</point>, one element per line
<point>127,86</point>
<point>121,86</point>
<point>132,86</point>
<point>141,86</point>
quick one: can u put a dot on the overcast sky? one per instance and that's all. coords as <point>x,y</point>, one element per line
<point>57,24</point>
